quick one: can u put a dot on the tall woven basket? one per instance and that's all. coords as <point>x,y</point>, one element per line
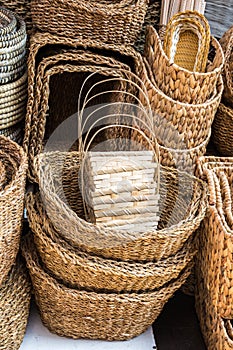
<point>13,175</point>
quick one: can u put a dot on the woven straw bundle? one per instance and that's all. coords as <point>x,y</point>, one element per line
<point>87,314</point>
<point>80,269</point>
<point>110,22</point>
<point>177,82</point>
<point>14,163</point>
<point>15,295</point>
<point>227,45</point>
<point>186,208</point>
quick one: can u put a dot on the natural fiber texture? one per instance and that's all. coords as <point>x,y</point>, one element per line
<point>38,44</point>
<point>22,8</point>
<point>12,203</point>
<point>15,133</point>
<point>15,295</point>
<point>182,207</point>
<point>217,232</point>
<point>222,130</point>
<point>177,82</point>
<point>191,120</point>
<point>108,22</point>
<point>227,45</point>
<point>187,39</point>
<point>81,314</point>
<point>79,269</point>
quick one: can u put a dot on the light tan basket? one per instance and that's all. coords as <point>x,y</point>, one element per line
<point>81,314</point>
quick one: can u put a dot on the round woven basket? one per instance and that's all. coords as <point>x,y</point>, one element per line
<point>179,83</point>
<point>22,8</point>
<point>107,22</point>
<point>12,203</point>
<point>15,295</point>
<point>79,269</point>
<point>191,120</point>
<point>227,44</point>
<point>14,37</point>
<point>182,208</point>
<point>81,314</point>
<point>222,130</point>
<point>8,21</point>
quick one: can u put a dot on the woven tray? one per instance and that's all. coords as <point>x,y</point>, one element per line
<point>107,22</point>
<point>15,295</point>
<point>193,121</point>
<point>94,315</point>
<point>176,82</point>
<point>181,219</point>
<point>12,203</point>
<point>92,272</point>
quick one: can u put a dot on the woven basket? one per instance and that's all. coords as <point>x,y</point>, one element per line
<point>15,295</point>
<point>12,203</point>
<point>176,82</point>
<point>22,8</point>
<point>227,45</point>
<point>15,133</point>
<point>79,269</point>
<point>193,121</point>
<point>217,250</point>
<point>182,198</point>
<point>81,314</point>
<point>222,130</point>
<point>8,22</point>
<point>187,39</point>
<point>107,22</point>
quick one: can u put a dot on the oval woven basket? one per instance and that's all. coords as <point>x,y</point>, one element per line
<point>177,82</point>
<point>106,22</point>
<point>15,295</point>
<point>81,314</point>
<point>182,208</point>
<point>193,121</point>
<point>12,203</point>
<point>79,269</point>
<point>227,44</point>
<point>222,130</point>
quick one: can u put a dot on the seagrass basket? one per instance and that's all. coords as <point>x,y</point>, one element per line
<point>80,269</point>
<point>14,165</point>
<point>87,314</point>
<point>222,127</point>
<point>181,205</point>
<point>216,230</point>
<point>177,82</point>
<point>227,44</point>
<point>192,120</point>
<point>187,39</point>
<point>117,22</point>
<point>15,295</point>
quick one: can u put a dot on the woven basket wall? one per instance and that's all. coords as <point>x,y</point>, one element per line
<point>22,8</point>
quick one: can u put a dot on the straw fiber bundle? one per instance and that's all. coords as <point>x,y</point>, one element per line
<point>182,207</point>
<point>81,314</point>
<point>80,269</point>
<point>114,22</point>
<point>14,161</point>
<point>177,82</point>
<point>15,295</point>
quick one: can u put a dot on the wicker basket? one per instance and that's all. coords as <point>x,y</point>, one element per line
<point>182,198</point>
<point>191,120</point>
<point>22,8</point>
<point>12,203</point>
<point>15,295</point>
<point>227,45</point>
<point>81,314</point>
<point>79,269</point>
<point>15,133</point>
<point>187,39</point>
<point>222,130</point>
<point>178,83</point>
<point>117,22</point>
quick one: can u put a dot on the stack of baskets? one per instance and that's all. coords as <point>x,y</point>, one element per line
<point>13,75</point>
<point>183,100</point>
<point>214,296</point>
<point>222,126</point>
<point>14,282</point>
